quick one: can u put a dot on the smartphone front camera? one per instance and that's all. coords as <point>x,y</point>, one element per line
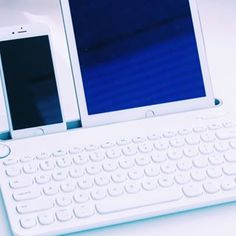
<point>13,32</point>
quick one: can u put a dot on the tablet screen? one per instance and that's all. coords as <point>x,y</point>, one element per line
<point>136,53</point>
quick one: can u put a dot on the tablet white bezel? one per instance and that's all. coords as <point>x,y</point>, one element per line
<point>141,112</point>
<point>23,32</point>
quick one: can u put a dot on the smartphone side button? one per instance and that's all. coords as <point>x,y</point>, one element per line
<point>4,151</point>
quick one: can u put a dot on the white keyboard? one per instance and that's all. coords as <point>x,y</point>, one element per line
<point>107,175</point>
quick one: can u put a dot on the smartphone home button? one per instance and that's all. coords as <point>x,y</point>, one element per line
<point>149,114</point>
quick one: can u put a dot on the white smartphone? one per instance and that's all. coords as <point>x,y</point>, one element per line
<point>29,78</point>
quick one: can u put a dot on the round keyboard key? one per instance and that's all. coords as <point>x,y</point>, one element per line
<point>230,156</point>
<point>63,215</point>
<point>113,153</point>
<point>169,134</point>
<point>175,154</point>
<point>129,150</point>
<point>101,180</point>
<point>30,168</point>
<point>97,156</point>
<point>46,218</point>
<point>214,126</point>
<point>50,190</point>
<point>154,137</point>
<point>107,145</point>
<point>67,187</point>
<point>165,181</point>
<point>193,190</point>
<point>184,165</point>
<point>98,194</point>
<point>135,174</point>
<point>132,187</point>
<point>208,137</point>
<point>206,149</point>
<point>126,163</point>
<point>63,201</point>
<point>91,147</point>
<point>158,157</point>
<point>10,162</point>
<point>182,178</point>
<point>228,124</point>
<point>145,147</point>
<point>214,172</point>
<point>47,165</point>
<point>85,183</point>
<point>199,129</point>
<point>161,145</point>
<point>81,197</point>
<point>63,162</point>
<point>152,171</point>
<point>192,139</point>
<point>191,151</point>
<point>221,146</point>
<point>81,159</point>
<point>76,172</point>
<point>26,159</point>
<point>217,159</point>
<point>115,191</point>
<point>233,144</point>
<point>200,162</point>
<point>123,142</point>
<point>28,223</point>
<point>59,175</point>
<point>93,169</point>
<point>168,168</point>
<point>142,160</point>
<point>184,132</point>
<point>84,210</point>
<point>228,185</point>
<point>43,156</point>
<point>139,139</point>
<point>119,177</point>
<point>149,184</point>
<point>177,142</point>
<point>211,187</point>
<point>13,171</point>
<point>198,175</point>
<point>59,153</point>
<point>42,179</point>
<point>230,169</point>
<point>109,166</point>
<point>76,150</point>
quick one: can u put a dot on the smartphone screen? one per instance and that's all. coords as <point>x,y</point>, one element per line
<point>28,71</point>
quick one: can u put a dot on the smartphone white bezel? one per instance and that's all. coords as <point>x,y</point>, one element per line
<point>21,32</point>
<point>141,112</point>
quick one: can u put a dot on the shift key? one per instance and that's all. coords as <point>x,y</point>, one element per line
<point>34,206</point>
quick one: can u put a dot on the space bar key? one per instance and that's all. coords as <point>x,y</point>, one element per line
<point>128,202</point>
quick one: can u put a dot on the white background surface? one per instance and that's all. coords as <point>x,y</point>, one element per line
<point>219,26</point>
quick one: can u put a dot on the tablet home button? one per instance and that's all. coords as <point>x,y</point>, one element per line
<point>39,132</point>
<point>4,151</point>
<point>150,114</point>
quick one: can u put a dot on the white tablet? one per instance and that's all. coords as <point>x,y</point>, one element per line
<point>137,58</point>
